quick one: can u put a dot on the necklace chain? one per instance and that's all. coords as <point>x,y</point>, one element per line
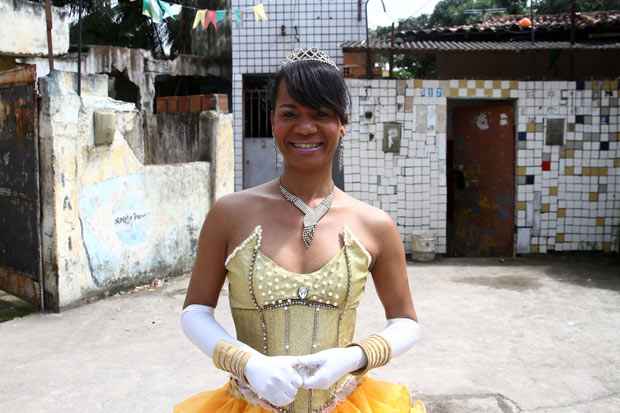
<point>312,216</point>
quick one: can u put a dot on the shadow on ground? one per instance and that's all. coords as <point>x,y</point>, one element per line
<point>591,270</point>
<point>12,307</point>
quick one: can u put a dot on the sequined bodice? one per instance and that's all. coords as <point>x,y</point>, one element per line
<point>280,312</point>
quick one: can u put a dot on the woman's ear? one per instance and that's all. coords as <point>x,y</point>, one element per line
<point>343,131</point>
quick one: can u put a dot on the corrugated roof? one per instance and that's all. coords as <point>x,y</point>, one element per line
<point>439,45</point>
<point>553,26</point>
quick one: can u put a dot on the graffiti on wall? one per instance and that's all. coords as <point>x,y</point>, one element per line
<point>115,221</point>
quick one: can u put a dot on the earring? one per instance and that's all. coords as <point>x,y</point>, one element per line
<point>341,155</point>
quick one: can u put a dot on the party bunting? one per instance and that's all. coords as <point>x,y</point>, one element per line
<point>259,12</point>
<point>200,16</point>
<point>158,10</point>
<point>210,18</point>
<point>220,15</point>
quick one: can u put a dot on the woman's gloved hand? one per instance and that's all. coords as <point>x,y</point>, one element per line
<point>273,378</point>
<point>324,368</point>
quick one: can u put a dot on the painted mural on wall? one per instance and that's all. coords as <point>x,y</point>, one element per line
<point>115,225</point>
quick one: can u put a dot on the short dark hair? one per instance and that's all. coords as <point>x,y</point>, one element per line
<point>313,84</point>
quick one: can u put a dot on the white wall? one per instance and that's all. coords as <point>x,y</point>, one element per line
<point>573,206</point>
<point>23,29</point>
<point>259,47</point>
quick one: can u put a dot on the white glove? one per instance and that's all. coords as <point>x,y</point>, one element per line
<point>271,378</point>
<point>328,366</point>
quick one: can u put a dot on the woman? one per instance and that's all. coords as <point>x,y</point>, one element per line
<point>297,252</point>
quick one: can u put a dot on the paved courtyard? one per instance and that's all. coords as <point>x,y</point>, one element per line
<point>526,335</point>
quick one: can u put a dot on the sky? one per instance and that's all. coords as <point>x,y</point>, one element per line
<point>397,9</point>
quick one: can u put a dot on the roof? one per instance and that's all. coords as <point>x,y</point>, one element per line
<point>547,27</point>
<point>439,45</point>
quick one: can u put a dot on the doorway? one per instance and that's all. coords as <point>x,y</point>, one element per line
<point>480,176</point>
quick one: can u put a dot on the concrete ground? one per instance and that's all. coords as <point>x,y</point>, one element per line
<point>524,335</point>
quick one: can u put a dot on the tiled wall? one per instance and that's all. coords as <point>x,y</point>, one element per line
<point>259,47</point>
<point>567,197</point>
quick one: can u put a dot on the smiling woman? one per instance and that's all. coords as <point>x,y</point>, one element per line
<point>294,298</point>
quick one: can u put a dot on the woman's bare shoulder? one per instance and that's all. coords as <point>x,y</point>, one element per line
<point>368,216</point>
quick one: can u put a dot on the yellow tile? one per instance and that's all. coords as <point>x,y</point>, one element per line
<point>607,246</point>
<point>462,83</point>
<point>566,153</point>
<point>471,92</point>
<point>479,84</point>
<point>505,93</point>
<point>545,208</point>
<point>569,171</point>
<point>534,249</point>
<point>593,196</point>
<point>559,238</point>
<point>561,212</point>
<point>521,171</point>
<point>602,171</point>
<point>596,85</point>
<point>617,163</point>
<point>618,136</point>
<point>614,84</point>
<point>531,127</point>
<point>520,206</point>
<point>586,171</point>
<point>553,191</point>
<point>497,84</point>
<point>607,85</point>
<point>453,92</point>
<point>600,222</point>
<point>514,84</point>
<point>488,93</point>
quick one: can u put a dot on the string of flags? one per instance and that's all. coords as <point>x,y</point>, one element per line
<point>159,10</point>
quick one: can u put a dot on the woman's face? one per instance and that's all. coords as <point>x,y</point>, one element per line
<point>306,137</point>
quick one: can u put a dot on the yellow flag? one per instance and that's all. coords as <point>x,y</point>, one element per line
<point>259,12</point>
<point>200,15</point>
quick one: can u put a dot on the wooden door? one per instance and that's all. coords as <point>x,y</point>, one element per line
<point>481,180</point>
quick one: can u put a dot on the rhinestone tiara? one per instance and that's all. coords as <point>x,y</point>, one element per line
<point>312,53</point>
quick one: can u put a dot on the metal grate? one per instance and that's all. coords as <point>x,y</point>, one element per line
<point>256,113</point>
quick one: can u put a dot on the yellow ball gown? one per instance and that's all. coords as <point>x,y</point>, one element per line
<point>279,312</point>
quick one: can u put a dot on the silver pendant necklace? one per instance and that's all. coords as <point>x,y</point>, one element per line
<point>312,216</point>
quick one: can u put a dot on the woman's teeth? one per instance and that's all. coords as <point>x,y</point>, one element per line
<point>306,145</point>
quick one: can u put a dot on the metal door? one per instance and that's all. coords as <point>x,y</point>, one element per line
<point>20,244</point>
<point>481,181</point>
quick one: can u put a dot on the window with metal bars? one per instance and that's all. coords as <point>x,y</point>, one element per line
<point>256,106</point>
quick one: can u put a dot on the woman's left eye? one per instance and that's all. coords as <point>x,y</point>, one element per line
<point>322,114</point>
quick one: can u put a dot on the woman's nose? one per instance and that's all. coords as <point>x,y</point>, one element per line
<point>305,126</point>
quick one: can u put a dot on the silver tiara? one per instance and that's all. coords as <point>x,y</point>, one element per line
<point>312,53</point>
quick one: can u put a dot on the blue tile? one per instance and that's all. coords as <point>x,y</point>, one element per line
<point>522,136</point>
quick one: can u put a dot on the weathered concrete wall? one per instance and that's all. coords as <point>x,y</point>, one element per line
<point>222,150</point>
<point>23,30</point>
<point>109,221</point>
<point>137,64</point>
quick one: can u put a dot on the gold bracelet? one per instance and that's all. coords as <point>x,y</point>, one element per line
<point>229,358</point>
<point>377,350</point>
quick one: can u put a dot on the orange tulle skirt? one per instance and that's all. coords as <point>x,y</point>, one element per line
<point>370,396</point>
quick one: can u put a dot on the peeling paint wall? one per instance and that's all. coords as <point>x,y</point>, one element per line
<point>108,220</point>
<point>23,29</point>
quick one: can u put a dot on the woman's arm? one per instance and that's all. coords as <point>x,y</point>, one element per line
<point>272,378</point>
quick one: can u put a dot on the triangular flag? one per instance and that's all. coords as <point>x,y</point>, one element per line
<point>220,15</point>
<point>200,16</point>
<point>150,8</point>
<point>171,10</point>
<point>238,15</point>
<point>209,19</point>
<point>158,10</point>
<point>259,12</point>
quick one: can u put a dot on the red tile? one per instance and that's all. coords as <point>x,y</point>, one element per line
<point>546,165</point>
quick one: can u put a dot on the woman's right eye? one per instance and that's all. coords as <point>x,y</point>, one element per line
<point>288,115</point>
